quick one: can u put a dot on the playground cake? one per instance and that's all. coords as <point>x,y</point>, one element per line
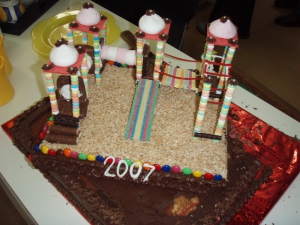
<point>164,175</point>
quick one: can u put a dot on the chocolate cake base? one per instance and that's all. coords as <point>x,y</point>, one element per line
<point>168,199</point>
<point>108,201</point>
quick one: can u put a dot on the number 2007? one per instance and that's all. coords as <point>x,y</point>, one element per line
<point>132,174</point>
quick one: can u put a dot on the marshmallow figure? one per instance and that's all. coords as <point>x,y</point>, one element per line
<point>64,55</point>
<point>88,16</point>
<point>223,28</point>
<point>151,23</point>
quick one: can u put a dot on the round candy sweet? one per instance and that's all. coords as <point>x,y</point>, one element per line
<point>51,152</point>
<point>10,124</point>
<point>64,55</point>
<point>117,160</point>
<point>51,118</point>
<point>100,158</point>
<point>139,162</point>
<point>208,176</point>
<point>45,149</point>
<point>42,135</point>
<point>166,168</point>
<point>146,166</point>
<point>88,16</point>
<point>157,167</point>
<point>67,152</point>
<point>74,155</point>
<point>60,152</point>
<point>223,28</point>
<point>82,156</point>
<point>187,171</point>
<point>197,173</point>
<point>128,161</point>
<point>151,23</point>
<point>218,177</point>
<point>109,161</point>
<point>91,157</point>
<point>30,157</point>
<point>37,148</point>
<point>176,169</point>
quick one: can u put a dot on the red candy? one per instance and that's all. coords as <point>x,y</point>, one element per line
<point>30,157</point>
<point>208,176</point>
<point>51,152</point>
<point>109,161</point>
<point>42,135</point>
<point>157,167</point>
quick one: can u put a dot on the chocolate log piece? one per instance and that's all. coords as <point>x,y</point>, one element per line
<point>66,120</point>
<point>64,130</point>
<point>62,139</point>
<point>129,38</point>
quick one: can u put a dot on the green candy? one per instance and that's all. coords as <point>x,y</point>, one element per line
<point>187,171</point>
<point>82,156</point>
<point>128,161</point>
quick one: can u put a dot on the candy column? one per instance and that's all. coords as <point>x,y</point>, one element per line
<point>202,106</point>
<point>228,60</point>
<point>51,93</point>
<point>97,59</point>
<point>70,37</point>
<point>84,74</point>
<point>84,38</point>
<point>160,46</point>
<point>139,57</point>
<point>75,96</point>
<point>232,83</point>
<point>103,32</point>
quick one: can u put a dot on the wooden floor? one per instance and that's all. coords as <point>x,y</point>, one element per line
<point>270,55</point>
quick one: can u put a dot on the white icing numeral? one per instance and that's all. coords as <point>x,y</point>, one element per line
<point>151,171</point>
<point>135,176</point>
<point>107,173</point>
<point>118,168</point>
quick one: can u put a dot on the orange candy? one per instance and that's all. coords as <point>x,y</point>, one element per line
<point>67,152</point>
<point>146,166</point>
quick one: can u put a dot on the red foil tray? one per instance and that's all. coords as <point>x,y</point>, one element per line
<point>273,148</point>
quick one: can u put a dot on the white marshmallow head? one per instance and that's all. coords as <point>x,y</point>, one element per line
<point>151,23</point>
<point>223,28</point>
<point>88,16</point>
<point>63,55</point>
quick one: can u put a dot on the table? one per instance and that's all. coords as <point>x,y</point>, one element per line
<point>38,201</point>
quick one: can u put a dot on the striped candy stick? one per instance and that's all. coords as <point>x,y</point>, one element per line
<point>84,37</point>
<point>232,83</point>
<point>160,46</point>
<point>97,58</point>
<point>202,105</point>
<point>70,37</point>
<point>103,32</point>
<point>84,74</point>
<point>51,93</point>
<point>75,96</point>
<point>139,57</point>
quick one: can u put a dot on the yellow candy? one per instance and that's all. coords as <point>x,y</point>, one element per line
<point>45,149</point>
<point>197,173</point>
<point>91,157</point>
<point>139,162</point>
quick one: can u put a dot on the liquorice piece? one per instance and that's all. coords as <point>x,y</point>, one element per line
<point>210,136</point>
<point>66,120</point>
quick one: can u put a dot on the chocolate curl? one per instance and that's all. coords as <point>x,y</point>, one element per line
<point>210,39</point>
<point>102,17</point>
<point>140,34</point>
<point>167,20</point>
<point>163,37</point>
<point>80,49</point>
<point>47,66</point>
<point>72,70</point>
<point>223,19</point>
<point>73,24</point>
<point>64,130</point>
<point>62,139</point>
<point>233,41</point>
<point>61,42</point>
<point>87,5</point>
<point>94,29</point>
<point>150,12</point>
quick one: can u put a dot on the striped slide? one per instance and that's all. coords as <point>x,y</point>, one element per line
<point>142,110</point>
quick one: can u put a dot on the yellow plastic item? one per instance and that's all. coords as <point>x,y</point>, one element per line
<point>6,89</point>
<point>8,66</point>
<point>47,32</point>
